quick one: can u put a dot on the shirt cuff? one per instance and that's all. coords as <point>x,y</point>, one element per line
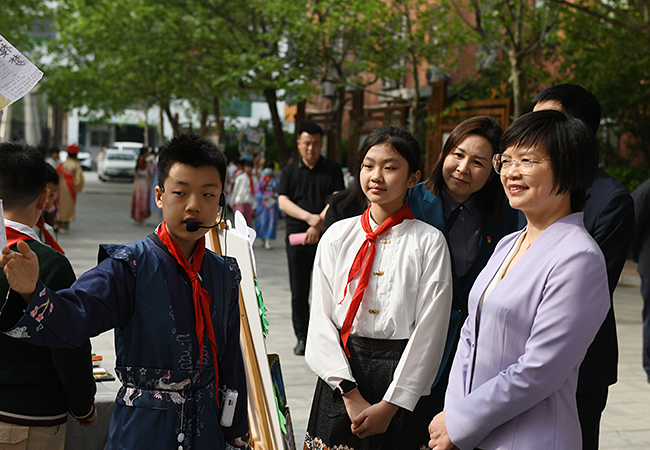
<point>402,398</point>
<point>85,416</point>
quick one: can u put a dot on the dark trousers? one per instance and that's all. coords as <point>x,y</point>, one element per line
<point>645,293</point>
<point>590,408</point>
<point>301,263</point>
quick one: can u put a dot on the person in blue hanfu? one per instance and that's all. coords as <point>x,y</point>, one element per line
<point>174,307</point>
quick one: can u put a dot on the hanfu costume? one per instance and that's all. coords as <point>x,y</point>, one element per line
<point>166,363</point>
<point>266,220</point>
<point>71,183</point>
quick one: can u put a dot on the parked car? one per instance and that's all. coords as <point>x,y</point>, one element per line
<point>117,164</point>
<point>126,145</point>
<point>85,159</point>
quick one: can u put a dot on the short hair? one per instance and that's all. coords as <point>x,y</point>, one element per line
<point>22,174</point>
<point>310,128</point>
<point>247,163</point>
<point>491,197</point>
<point>193,150</point>
<point>53,150</point>
<point>269,164</point>
<point>576,101</point>
<point>51,175</point>
<point>569,144</point>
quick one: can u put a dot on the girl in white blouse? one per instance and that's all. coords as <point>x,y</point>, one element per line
<point>381,302</point>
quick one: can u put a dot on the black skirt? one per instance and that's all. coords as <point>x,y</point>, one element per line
<point>373,362</point>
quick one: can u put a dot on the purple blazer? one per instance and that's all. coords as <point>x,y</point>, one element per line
<point>513,384</point>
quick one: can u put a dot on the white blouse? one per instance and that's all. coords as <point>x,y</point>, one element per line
<point>408,297</point>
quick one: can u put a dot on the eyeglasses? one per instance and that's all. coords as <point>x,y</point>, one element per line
<point>502,163</point>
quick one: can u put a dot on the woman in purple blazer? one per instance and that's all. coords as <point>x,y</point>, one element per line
<point>537,305</point>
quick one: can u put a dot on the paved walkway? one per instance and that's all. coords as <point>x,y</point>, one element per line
<point>103,216</point>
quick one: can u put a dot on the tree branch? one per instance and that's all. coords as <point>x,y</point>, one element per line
<point>625,20</point>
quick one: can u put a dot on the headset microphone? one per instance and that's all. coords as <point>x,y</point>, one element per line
<point>194,226</point>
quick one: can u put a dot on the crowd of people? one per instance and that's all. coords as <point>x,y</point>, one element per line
<point>468,310</point>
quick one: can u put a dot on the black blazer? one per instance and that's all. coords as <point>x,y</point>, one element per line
<point>609,218</point>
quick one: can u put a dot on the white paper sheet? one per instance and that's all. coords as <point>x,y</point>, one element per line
<point>18,75</point>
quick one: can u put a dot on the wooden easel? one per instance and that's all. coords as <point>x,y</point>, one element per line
<point>262,417</point>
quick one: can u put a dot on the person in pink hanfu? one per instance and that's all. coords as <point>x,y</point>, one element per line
<point>71,183</point>
<point>141,188</point>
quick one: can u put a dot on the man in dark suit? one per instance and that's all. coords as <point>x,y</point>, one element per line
<point>641,254</point>
<point>609,218</point>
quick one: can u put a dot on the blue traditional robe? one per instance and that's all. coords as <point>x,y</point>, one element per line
<point>140,290</point>
<point>266,222</point>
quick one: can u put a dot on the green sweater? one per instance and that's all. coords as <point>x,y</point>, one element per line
<point>39,385</point>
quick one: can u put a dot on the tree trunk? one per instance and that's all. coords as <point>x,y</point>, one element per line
<point>337,126</point>
<point>162,126</point>
<point>516,79</point>
<point>278,132</point>
<point>414,110</point>
<point>145,128</point>
<point>172,120</point>
<point>204,122</point>
<point>216,110</point>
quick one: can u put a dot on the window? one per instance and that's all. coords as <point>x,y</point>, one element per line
<point>100,138</point>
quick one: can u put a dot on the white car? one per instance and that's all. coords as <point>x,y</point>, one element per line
<point>117,164</point>
<point>127,146</point>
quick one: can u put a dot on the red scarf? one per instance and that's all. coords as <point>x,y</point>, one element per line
<point>267,179</point>
<point>47,236</point>
<point>250,181</point>
<point>367,249</point>
<point>69,180</point>
<point>14,236</point>
<point>200,296</point>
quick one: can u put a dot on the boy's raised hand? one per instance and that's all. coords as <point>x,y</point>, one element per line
<point>21,269</point>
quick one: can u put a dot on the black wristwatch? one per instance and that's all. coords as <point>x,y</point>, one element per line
<point>346,386</point>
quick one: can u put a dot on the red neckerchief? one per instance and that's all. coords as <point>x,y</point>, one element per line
<point>47,236</point>
<point>199,295</point>
<point>69,180</point>
<point>234,175</point>
<point>267,179</point>
<point>250,181</point>
<point>367,249</point>
<point>14,236</point>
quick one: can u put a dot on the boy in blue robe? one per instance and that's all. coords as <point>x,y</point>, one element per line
<point>173,305</point>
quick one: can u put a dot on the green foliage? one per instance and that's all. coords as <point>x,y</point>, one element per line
<point>519,29</point>
<point>614,63</point>
<point>25,23</point>
<point>631,177</point>
<point>108,61</point>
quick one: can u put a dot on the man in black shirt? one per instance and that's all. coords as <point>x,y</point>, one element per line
<point>305,185</point>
